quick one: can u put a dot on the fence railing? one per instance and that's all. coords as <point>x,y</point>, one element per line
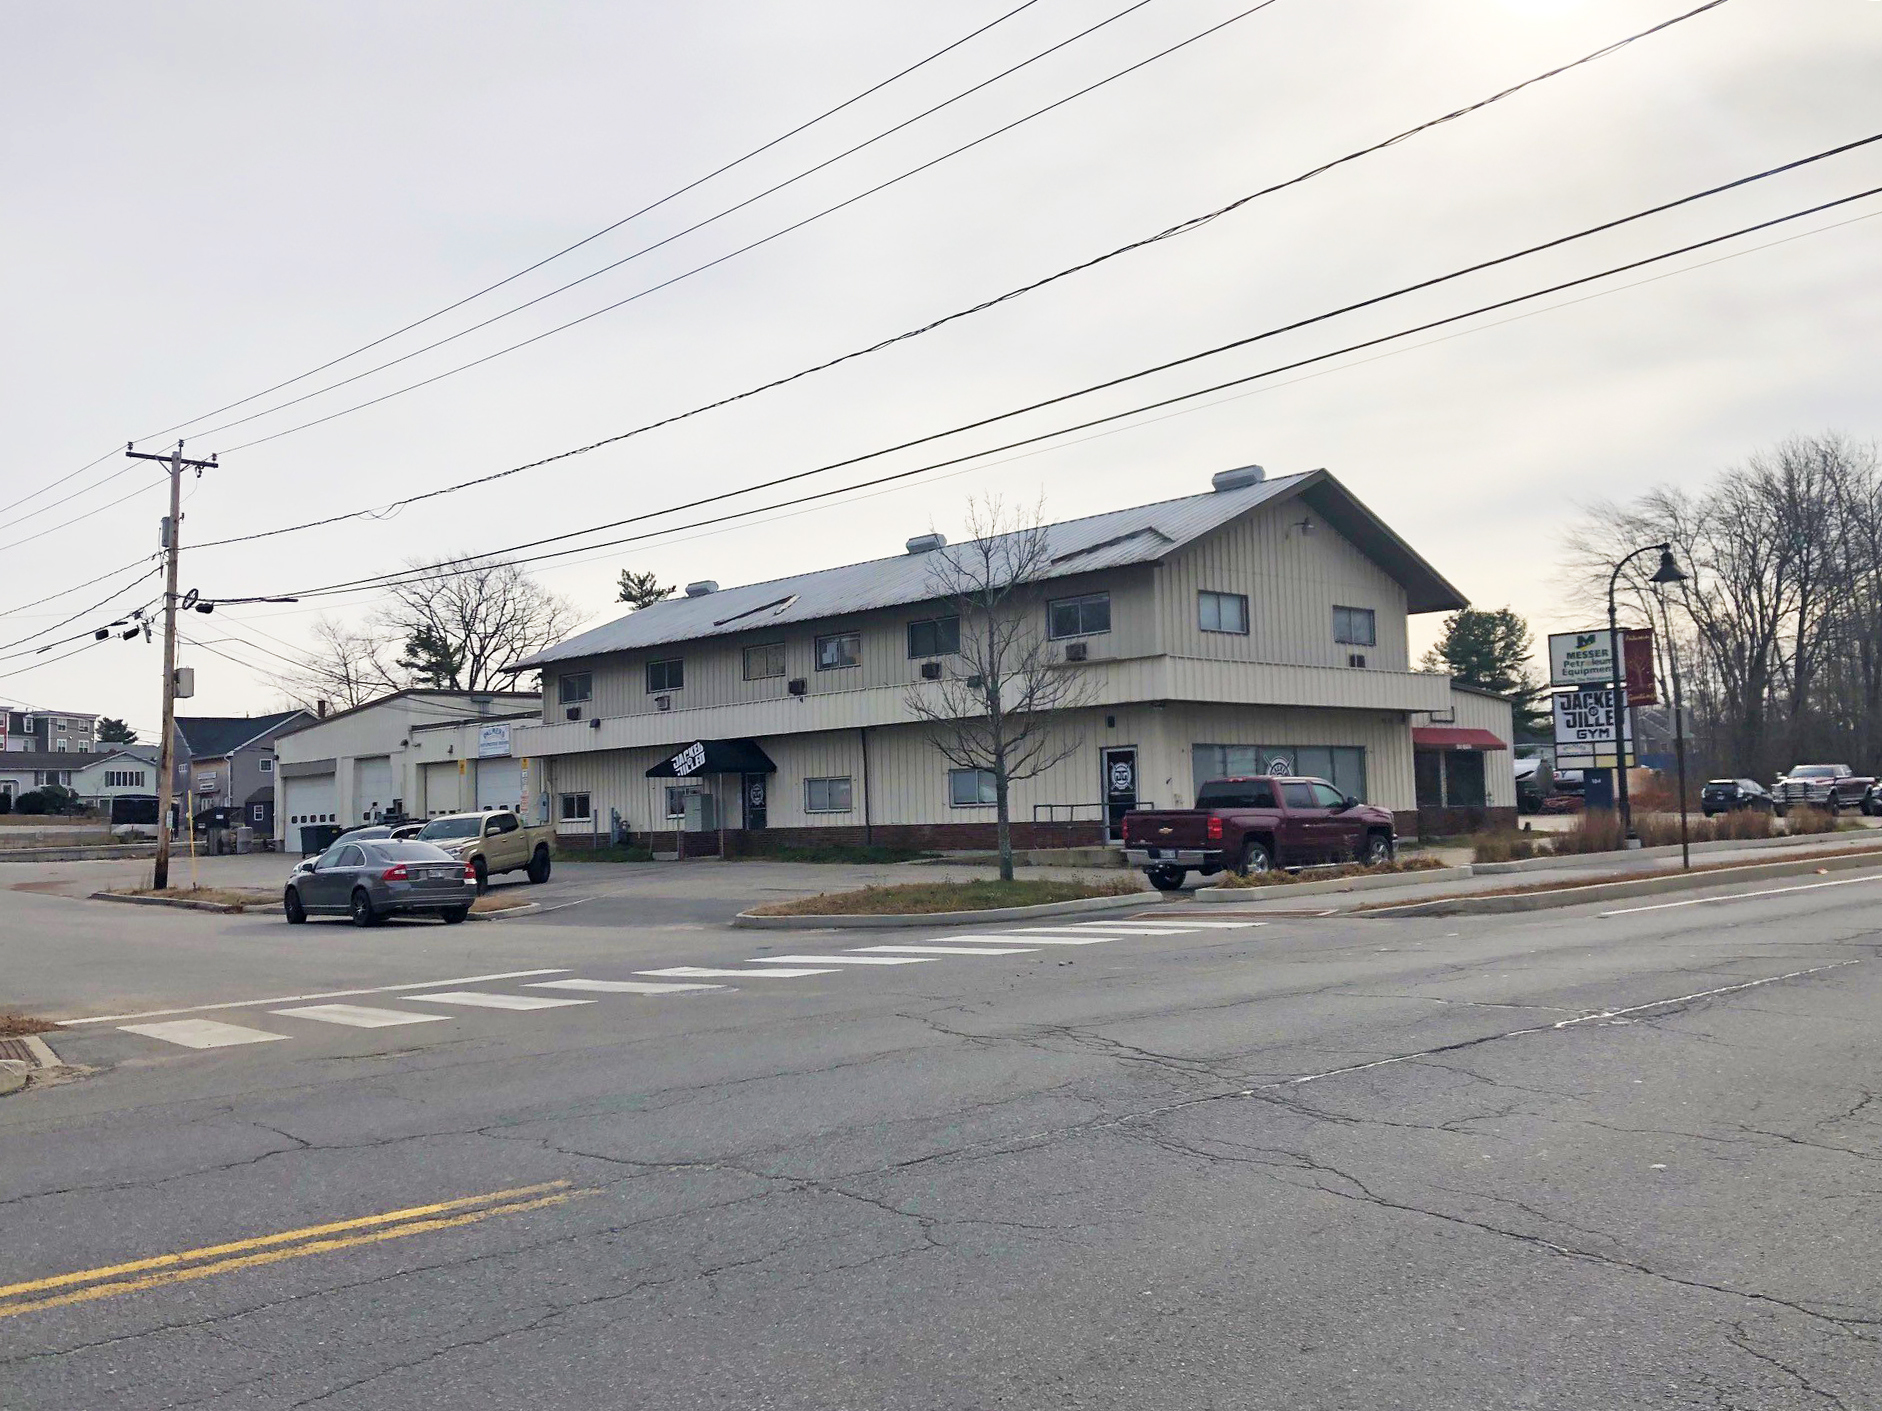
<point>1078,812</point>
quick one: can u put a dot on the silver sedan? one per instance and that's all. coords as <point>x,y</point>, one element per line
<point>372,878</point>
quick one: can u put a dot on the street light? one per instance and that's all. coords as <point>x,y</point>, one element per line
<point>1667,572</point>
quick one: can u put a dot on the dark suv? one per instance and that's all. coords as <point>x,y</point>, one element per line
<point>1729,795</point>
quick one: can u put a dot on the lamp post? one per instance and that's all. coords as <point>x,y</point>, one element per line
<point>1668,572</point>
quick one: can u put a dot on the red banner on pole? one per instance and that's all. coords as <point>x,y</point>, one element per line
<point>1637,654</point>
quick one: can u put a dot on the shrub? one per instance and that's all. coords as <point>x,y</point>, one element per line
<point>6,803</point>
<point>30,802</point>
<point>1808,820</point>
<point>1505,847</point>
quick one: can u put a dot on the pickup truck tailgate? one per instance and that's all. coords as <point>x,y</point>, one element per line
<point>1184,828</point>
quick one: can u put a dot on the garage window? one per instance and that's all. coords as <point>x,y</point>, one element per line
<point>575,808</point>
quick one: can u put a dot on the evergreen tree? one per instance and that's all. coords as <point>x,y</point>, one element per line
<point>1491,651</point>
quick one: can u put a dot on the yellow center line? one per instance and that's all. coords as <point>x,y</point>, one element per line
<point>215,1251</point>
<point>276,1256</point>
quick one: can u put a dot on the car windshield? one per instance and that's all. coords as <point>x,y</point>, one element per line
<point>451,828</point>
<point>402,850</point>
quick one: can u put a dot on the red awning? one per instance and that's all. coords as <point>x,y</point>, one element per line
<point>1454,737</point>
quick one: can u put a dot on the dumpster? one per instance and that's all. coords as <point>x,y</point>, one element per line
<point>318,837</point>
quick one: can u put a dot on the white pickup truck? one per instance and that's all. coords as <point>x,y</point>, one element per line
<point>493,842</point>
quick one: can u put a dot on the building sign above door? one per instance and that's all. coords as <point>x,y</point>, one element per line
<point>493,741</point>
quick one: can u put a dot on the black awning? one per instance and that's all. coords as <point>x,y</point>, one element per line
<point>714,757</point>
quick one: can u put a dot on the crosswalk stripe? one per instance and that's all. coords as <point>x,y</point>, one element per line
<point>359,1016</point>
<point>951,950</point>
<point>620,987</point>
<point>1009,937</point>
<point>1108,933</point>
<point>835,960</point>
<point>706,972</point>
<point>479,999</point>
<point>1194,924</point>
<point>201,1033</point>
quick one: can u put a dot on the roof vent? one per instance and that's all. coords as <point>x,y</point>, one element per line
<point>701,588</point>
<point>926,543</point>
<point>1236,479</point>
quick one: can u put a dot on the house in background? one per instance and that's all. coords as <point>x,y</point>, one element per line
<point>47,731</point>
<point>231,762</point>
<point>23,771</point>
<point>120,772</point>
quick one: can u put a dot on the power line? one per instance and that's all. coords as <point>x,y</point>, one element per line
<point>76,519</point>
<point>418,575</point>
<point>606,229</point>
<point>86,612</point>
<point>76,587</point>
<point>1165,366</point>
<point>1170,232</point>
<point>722,259</point>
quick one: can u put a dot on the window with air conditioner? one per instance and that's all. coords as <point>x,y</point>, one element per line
<point>844,649</point>
<point>764,661</point>
<point>668,675</point>
<point>971,788</point>
<point>1222,612</point>
<point>571,691</point>
<point>827,795</point>
<point>1356,627</point>
<point>934,637</point>
<point>1084,616</point>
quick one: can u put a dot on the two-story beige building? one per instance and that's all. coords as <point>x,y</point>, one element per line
<point>1259,627</point>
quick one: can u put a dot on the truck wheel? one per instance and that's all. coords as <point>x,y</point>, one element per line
<point>1255,858</point>
<point>1869,808</point>
<point>1378,850</point>
<point>481,870</point>
<point>1166,879</point>
<point>539,864</point>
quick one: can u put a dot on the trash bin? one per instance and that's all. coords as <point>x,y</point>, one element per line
<point>318,837</point>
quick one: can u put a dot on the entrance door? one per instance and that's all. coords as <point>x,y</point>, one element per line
<point>756,791</point>
<point>1120,790</point>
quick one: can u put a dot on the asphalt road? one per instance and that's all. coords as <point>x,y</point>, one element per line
<point>1565,1160</point>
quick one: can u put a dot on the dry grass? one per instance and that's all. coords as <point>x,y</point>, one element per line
<point>499,901</point>
<point>923,898</point>
<point>1328,874</point>
<point>1505,847</point>
<point>13,1025</point>
<point>241,898</point>
<point>1810,820</point>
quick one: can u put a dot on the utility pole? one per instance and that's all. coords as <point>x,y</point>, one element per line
<point>172,544</point>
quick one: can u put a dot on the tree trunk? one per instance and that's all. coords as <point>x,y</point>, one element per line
<point>1005,821</point>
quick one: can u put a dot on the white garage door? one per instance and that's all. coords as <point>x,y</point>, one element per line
<point>443,792</point>
<point>373,789</point>
<point>306,801</point>
<point>499,783</point>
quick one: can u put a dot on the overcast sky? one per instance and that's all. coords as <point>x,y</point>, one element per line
<point>204,199</point>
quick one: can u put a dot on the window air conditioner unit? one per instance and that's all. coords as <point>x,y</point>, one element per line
<point>1077,651</point>
<point>574,713</point>
<point>663,703</point>
<point>797,686</point>
<point>1356,659</point>
<point>931,671</point>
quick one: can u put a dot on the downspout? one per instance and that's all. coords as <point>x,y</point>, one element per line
<point>869,832</point>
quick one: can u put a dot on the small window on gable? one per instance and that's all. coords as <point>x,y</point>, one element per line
<point>1355,627</point>
<point>1222,612</point>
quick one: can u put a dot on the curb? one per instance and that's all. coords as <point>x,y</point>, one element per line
<point>79,853</point>
<point>1618,891</point>
<point>15,1074</point>
<point>224,908</point>
<point>747,921</point>
<point>1331,884</point>
<point>1595,859</point>
<point>507,912</point>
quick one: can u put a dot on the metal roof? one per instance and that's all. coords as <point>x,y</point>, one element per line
<point>1142,534</point>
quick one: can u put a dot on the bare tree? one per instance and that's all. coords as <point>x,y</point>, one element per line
<point>1004,710</point>
<point>345,667</point>
<point>460,622</point>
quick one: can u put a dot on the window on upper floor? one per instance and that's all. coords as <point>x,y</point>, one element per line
<point>827,795</point>
<point>62,747</point>
<point>573,690</point>
<point>1222,612</point>
<point>934,637</point>
<point>764,661</point>
<point>836,652</point>
<point>267,764</point>
<point>1079,617</point>
<point>668,675</point>
<point>1357,627</point>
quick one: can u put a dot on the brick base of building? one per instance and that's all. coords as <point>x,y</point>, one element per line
<point>913,837</point>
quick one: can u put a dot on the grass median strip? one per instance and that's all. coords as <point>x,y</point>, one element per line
<point>157,1271</point>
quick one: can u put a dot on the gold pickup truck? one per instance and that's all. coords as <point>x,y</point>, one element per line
<point>493,842</point>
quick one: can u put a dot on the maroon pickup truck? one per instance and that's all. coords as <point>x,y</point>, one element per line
<point>1251,825</point>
